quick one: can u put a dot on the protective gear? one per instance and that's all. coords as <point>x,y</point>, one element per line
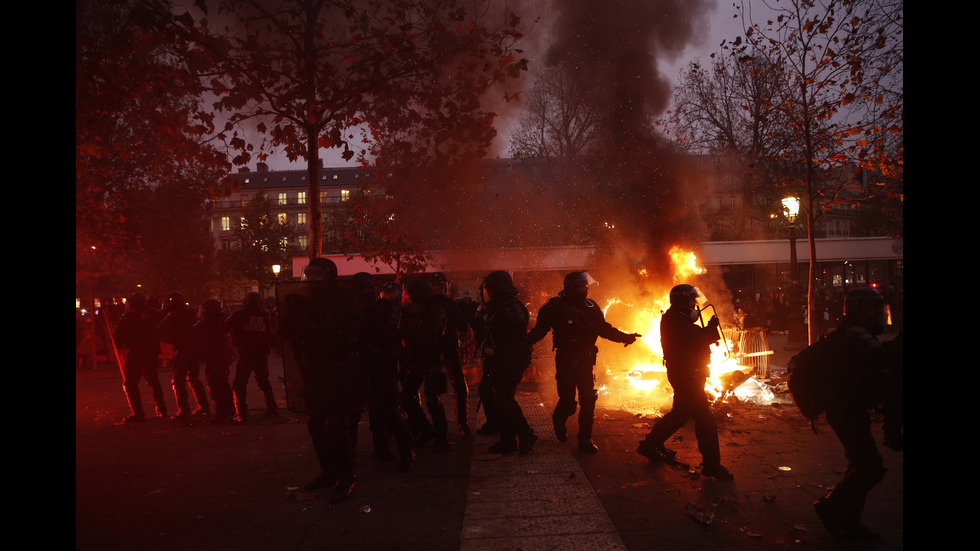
<point>439,282</point>
<point>865,306</point>
<point>392,291</point>
<point>320,269</point>
<point>682,295</point>
<point>252,300</point>
<point>174,301</point>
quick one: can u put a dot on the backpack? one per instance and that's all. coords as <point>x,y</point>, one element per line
<point>809,377</point>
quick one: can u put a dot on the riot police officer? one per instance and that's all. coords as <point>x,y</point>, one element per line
<point>456,325</point>
<point>176,329</point>
<point>214,349</point>
<point>251,333</point>
<point>328,329</point>
<point>506,355</point>
<point>423,328</point>
<point>137,331</point>
<point>855,388</point>
<point>687,353</point>
<point>385,415</point>
<point>576,322</point>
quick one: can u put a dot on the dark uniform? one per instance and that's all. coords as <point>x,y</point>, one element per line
<point>576,322</point>
<point>251,333</point>
<point>506,355</point>
<point>423,327</point>
<point>137,331</point>
<point>687,353</point>
<point>856,385</point>
<point>328,330</point>
<point>214,349</point>
<point>456,326</point>
<point>385,417</point>
<point>176,329</point>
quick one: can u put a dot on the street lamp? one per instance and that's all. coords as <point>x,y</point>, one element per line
<point>791,210</point>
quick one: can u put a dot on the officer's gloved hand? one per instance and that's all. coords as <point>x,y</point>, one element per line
<point>631,338</point>
<point>713,323</point>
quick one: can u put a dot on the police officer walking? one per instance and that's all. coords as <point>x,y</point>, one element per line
<point>576,322</point>
<point>506,355</point>
<point>176,328</point>
<point>456,325</point>
<point>214,349</point>
<point>687,353</point>
<point>137,331</point>
<point>859,360</point>
<point>423,328</point>
<point>251,333</point>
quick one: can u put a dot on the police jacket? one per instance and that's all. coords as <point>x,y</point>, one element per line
<point>137,331</point>
<point>687,348</point>
<point>175,327</point>
<point>576,325</point>
<point>857,364</point>
<point>251,330</point>
<point>423,329</point>
<point>504,330</point>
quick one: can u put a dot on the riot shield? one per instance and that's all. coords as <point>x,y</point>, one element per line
<point>294,302</point>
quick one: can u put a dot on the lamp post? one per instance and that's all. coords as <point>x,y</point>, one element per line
<point>791,209</point>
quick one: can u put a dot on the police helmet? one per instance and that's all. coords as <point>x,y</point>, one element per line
<point>391,291</point>
<point>863,302</point>
<point>137,300</point>
<point>252,300</point>
<point>320,269</point>
<point>419,290</point>
<point>175,301</point>
<point>683,294</point>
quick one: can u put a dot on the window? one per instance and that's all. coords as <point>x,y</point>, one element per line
<point>282,198</point>
<point>225,223</point>
<point>344,195</point>
<point>301,198</point>
<point>324,197</point>
<point>301,218</point>
<point>301,240</point>
<point>244,199</point>
<point>283,218</point>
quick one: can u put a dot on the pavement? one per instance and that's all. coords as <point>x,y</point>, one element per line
<point>165,485</point>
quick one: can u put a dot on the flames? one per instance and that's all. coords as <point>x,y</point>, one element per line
<point>635,377</point>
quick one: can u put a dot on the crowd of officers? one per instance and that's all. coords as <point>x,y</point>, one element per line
<point>387,351</point>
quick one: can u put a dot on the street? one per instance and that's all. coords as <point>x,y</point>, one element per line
<point>163,485</point>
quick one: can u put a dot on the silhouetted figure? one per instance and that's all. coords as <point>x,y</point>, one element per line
<point>456,326</point>
<point>506,355</point>
<point>327,329</point>
<point>423,326</point>
<point>176,329</point>
<point>251,333</point>
<point>214,349</point>
<point>856,387</point>
<point>687,353</point>
<point>386,419</point>
<point>137,332</point>
<point>576,322</point>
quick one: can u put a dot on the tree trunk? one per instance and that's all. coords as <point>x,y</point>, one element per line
<point>315,246</point>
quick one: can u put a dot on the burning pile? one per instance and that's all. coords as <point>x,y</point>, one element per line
<point>635,378</point>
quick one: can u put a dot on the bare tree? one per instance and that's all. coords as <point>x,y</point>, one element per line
<point>561,116</point>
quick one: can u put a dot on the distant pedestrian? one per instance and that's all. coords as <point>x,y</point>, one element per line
<point>576,322</point>
<point>687,353</point>
<point>136,331</point>
<point>506,355</point>
<point>214,349</point>
<point>176,328</point>
<point>251,333</point>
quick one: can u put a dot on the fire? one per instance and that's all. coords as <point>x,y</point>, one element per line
<point>636,377</point>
